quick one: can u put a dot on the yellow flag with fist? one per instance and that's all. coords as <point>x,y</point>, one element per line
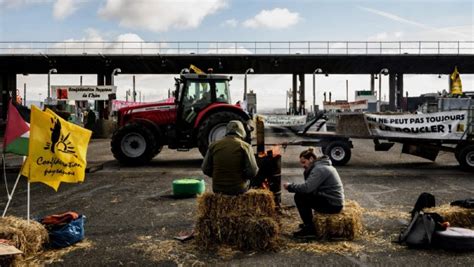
<point>57,150</point>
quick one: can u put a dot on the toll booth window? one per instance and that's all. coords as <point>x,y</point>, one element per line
<point>222,92</point>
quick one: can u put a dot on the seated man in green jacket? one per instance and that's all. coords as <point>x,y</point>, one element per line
<point>230,161</point>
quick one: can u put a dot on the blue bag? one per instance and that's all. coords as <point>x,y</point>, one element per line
<point>65,235</point>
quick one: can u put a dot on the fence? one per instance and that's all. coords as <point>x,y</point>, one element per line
<point>241,48</point>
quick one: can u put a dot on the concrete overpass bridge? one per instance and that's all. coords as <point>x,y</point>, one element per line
<point>296,58</point>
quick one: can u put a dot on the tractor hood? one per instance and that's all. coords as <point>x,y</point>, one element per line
<point>146,111</point>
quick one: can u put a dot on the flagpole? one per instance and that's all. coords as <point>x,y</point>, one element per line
<point>28,203</point>
<point>10,195</point>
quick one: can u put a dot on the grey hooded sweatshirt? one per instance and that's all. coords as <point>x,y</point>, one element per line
<point>321,179</point>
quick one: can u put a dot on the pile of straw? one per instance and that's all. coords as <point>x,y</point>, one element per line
<point>344,225</point>
<point>455,215</point>
<point>247,221</point>
<point>28,238</point>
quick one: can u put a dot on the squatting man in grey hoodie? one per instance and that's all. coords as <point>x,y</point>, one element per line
<point>321,191</point>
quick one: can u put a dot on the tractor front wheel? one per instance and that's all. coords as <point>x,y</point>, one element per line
<point>134,144</point>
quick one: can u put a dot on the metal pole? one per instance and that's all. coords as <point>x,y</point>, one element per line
<point>24,94</point>
<point>80,81</point>
<point>245,86</point>
<point>314,92</point>
<point>318,70</point>
<point>134,92</point>
<point>49,81</point>
<point>380,88</point>
<point>49,85</point>
<point>249,70</point>
<point>347,90</point>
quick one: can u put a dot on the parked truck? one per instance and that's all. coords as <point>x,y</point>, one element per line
<point>447,125</point>
<point>195,116</point>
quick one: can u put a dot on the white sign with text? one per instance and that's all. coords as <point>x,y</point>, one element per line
<point>440,125</point>
<point>284,120</point>
<point>84,92</point>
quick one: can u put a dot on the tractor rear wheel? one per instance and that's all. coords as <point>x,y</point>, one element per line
<point>134,144</point>
<point>214,128</point>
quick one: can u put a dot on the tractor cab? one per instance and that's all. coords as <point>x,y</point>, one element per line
<point>196,92</point>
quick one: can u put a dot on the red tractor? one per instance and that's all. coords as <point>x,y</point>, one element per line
<point>195,117</point>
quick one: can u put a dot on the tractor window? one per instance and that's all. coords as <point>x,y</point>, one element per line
<point>197,96</point>
<point>222,92</point>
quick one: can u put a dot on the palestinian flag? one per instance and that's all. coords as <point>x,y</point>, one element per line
<point>17,131</point>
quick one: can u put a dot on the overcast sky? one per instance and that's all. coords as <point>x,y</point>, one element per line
<point>243,20</point>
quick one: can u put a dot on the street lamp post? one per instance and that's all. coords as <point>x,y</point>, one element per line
<point>114,73</point>
<point>318,70</point>
<point>249,70</point>
<point>383,71</point>
<point>49,82</point>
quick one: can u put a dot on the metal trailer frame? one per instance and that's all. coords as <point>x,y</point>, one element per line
<point>337,146</point>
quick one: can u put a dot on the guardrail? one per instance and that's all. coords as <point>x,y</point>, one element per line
<point>241,48</point>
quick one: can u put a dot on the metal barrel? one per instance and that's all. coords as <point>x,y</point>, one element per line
<point>270,169</point>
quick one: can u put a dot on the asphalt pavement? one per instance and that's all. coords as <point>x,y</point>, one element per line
<point>132,216</point>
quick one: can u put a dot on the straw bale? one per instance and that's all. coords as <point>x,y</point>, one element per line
<point>455,215</point>
<point>27,237</point>
<point>344,225</point>
<point>253,203</point>
<point>247,221</point>
<point>244,232</point>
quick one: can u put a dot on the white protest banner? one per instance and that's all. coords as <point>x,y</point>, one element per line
<point>284,120</point>
<point>348,106</point>
<point>85,92</point>
<point>439,125</point>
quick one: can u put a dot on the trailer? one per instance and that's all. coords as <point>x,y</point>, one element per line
<point>447,127</point>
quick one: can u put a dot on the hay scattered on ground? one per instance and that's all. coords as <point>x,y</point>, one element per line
<point>455,215</point>
<point>54,255</point>
<point>247,221</point>
<point>368,242</point>
<point>341,247</point>
<point>169,250</point>
<point>27,237</point>
<point>388,214</point>
<point>345,225</point>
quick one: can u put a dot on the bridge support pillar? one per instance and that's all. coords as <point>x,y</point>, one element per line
<point>372,83</point>
<point>392,85</point>
<point>400,104</point>
<point>103,127</point>
<point>302,109</point>
<point>395,91</point>
<point>294,95</point>
<point>7,87</point>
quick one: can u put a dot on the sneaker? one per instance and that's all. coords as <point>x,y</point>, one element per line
<point>305,232</point>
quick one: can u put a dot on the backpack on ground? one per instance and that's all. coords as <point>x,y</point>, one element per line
<point>420,231</point>
<point>425,200</point>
